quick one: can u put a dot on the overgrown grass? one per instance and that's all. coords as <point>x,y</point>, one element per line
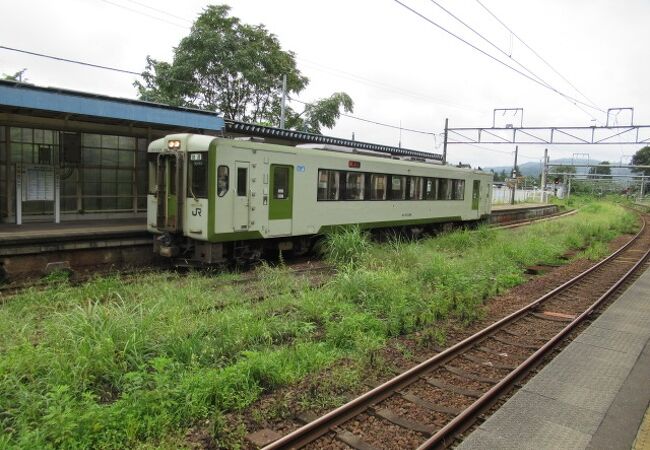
<point>111,364</point>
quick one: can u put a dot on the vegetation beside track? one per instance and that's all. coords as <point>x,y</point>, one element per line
<point>115,364</point>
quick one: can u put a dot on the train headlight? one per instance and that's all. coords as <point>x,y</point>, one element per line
<point>174,145</point>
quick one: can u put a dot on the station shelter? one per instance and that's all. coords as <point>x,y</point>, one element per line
<point>73,156</point>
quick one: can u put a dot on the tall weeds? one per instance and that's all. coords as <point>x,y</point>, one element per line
<point>114,364</point>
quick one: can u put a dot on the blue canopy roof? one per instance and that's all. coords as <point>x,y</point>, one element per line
<point>23,95</point>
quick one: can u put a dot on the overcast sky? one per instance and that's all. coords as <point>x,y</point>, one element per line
<point>397,67</point>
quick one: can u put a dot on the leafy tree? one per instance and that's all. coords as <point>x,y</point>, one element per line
<point>501,176</point>
<point>601,169</point>
<point>322,113</point>
<point>235,69</point>
<point>565,169</point>
<point>642,158</point>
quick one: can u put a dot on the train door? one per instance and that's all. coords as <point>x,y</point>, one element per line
<point>281,200</point>
<point>476,194</point>
<point>169,176</point>
<point>241,212</point>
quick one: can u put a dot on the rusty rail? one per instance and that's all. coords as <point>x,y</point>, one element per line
<point>317,428</point>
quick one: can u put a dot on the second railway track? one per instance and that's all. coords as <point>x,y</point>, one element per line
<point>431,404</point>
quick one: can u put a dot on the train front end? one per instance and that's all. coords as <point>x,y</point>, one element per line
<point>177,202</point>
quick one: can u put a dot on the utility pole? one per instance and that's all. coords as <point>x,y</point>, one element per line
<point>514,176</point>
<point>284,100</point>
<point>543,180</point>
<point>642,188</point>
<point>444,147</point>
<point>400,134</point>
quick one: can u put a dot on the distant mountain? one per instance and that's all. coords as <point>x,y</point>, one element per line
<point>534,168</point>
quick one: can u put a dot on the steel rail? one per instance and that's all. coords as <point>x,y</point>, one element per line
<point>317,428</point>
<point>447,434</point>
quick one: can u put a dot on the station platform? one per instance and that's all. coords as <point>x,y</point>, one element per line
<point>39,237</point>
<point>35,249</point>
<point>10,233</point>
<point>593,395</point>
<point>521,212</point>
<point>506,206</point>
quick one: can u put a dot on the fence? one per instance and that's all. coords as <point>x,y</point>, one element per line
<point>503,195</point>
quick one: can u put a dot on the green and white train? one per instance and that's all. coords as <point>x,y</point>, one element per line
<point>214,199</point>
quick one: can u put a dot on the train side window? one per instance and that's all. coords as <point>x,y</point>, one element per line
<point>443,188</point>
<point>354,186</point>
<point>322,185</point>
<point>448,189</point>
<point>328,185</point>
<point>197,180</point>
<point>430,188</point>
<point>414,191</point>
<point>397,187</point>
<point>280,182</point>
<point>367,187</point>
<point>459,189</point>
<point>378,187</point>
<point>242,181</point>
<point>223,180</point>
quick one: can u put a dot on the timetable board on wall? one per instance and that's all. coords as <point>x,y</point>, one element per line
<point>38,184</point>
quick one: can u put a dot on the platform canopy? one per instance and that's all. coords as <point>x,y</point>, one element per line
<point>81,104</point>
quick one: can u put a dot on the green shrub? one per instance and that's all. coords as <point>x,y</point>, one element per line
<point>346,245</point>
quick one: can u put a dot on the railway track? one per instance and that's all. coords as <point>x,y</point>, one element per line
<point>300,268</point>
<point>431,404</point>
<point>20,285</point>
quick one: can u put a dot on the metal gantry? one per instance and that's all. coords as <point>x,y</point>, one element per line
<point>513,134</point>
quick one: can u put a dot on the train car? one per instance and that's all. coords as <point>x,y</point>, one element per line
<point>214,199</point>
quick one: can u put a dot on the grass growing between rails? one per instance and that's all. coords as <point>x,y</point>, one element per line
<point>111,364</point>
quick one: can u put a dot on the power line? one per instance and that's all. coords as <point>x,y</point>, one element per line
<point>430,133</point>
<point>142,13</point>
<point>547,84</point>
<point>72,61</point>
<point>167,13</point>
<point>488,41</point>
<point>383,86</point>
<point>493,57</point>
<point>537,54</point>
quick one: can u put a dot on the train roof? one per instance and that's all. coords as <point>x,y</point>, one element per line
<point>333,150</point>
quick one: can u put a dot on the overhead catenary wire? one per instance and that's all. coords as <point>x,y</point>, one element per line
<point>422,16</point>
<point>509,55</point>
<point>385,86</point>
<point>473,30</point>
<point>142,13</point>
<point>167,13</point>
<point>537,54</point>
<point>396,127</point>
<point>71,61</point>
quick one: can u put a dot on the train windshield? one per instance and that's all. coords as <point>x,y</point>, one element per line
<point>197,175</point>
